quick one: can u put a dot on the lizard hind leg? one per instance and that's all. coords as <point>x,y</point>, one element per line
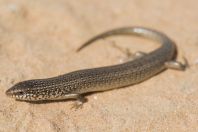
<point>80,100</point>
<point>176,65</point>
<point>133,56</point>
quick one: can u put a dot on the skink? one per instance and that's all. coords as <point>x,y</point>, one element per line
<point>75,84</point>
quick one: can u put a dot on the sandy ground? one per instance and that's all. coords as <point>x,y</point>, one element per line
<point>38,39</point>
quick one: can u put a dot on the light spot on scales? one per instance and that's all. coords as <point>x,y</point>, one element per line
<point>40,96</point>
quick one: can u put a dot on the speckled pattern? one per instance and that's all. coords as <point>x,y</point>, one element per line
<point>39,38</point>
<point>73,84</point>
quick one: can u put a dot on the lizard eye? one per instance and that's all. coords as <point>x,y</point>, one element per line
<point>20,93</point>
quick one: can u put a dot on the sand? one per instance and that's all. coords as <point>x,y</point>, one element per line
<point>38,39</point>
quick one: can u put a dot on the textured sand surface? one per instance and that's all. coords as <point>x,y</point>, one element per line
<point>38,39</point>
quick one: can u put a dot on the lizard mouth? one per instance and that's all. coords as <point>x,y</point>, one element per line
<point>14,93</point>
<point>10,92</point>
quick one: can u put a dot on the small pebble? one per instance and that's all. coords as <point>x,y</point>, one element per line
<point>196,62</point>
<point>13,7</point>
<point>95,97</point>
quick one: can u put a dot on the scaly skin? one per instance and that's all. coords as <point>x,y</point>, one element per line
<point>74,84</point>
